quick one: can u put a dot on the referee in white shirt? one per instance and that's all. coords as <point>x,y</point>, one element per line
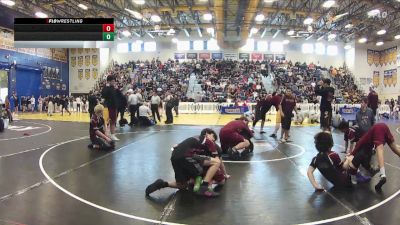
<point>144,113</point>
<point>155,102</point>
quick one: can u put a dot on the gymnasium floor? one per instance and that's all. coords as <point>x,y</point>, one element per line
<point>48,176</point>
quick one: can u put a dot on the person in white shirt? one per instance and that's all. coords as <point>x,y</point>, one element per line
<point>132,105</point>
<point>155,102</point>
<point>140,100</point>
<point>144,113</point>
<point>78,104</point>
<point>40,104</point>
<point>33,102</point>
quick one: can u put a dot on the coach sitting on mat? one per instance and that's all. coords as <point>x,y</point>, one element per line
<point>233,136</point>
<point>188,160</point>
<point>97,135</point>
<point>329,164</point>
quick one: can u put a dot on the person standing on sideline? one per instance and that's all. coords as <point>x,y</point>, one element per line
<point>8,109</point>
<point>40,104</point>
<point>64,105</point>
<point>33,103</point>
<point>169,105</point>
<point>176,105</point>
<point>78,104</point>
<point>110,101</point>
<point>155,101</point>
<point>132,104</point>
<point>121,103</point>
<point>288,104</point>
<point>16,102</point>
<point>327,93</point>
<point>139,100</point>
<point>276,101</point>
<point>365,117</point>
<point>373,100</point>
<point>92,103</point>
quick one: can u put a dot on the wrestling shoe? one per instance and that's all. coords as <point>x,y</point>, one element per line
<point>262,132</point>
<point>282,141</point>
<point>273,135</point>
<point>157,185</point>
<point>205,191</point>
<point>197,183</point>
<point>381,182</point>
<point>114,138</point>
<point>233,154</point>
<point>362,179</point>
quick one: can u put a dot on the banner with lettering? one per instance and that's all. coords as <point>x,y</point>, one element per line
<point>191,55</point>
<point>375,79</point>
<point>204,55</point>
<point>257,56</point>
<point>179,55</point>
<point>244,56</point>
<point>216,55</point>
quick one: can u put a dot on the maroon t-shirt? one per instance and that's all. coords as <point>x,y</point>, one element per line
<point>288,104</point>
<point>96,123</point>
<point>379,134</point>
<point>373,100</point>
<point>236,126</point>
<point>275,101</point>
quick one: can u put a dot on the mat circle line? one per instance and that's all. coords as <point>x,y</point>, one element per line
<point>33,135</point>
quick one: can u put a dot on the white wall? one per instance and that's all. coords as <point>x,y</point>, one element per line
<point>363,70</point>
<point>79,80</point>
<point>104,59</point>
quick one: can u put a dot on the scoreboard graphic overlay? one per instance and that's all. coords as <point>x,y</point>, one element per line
<point>64,32</point>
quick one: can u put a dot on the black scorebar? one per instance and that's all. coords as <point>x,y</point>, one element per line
<point>64,29</point>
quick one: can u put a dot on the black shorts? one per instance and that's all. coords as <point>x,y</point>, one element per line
<point>286,122</point>
<point>326,119</point>
<point>103,144</point>
<point>363,158</point>
<point>189,167</point>
<point>260,115</point>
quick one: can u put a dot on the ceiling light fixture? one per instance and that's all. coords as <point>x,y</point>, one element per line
<point>381,32</point>
<point>155,18</point>
<point>308,21</point>
<point>379,43</point>
<point>331,36</point>
<point>362,40</point>
<point>151,35</point>
<point>290,32</point>
<point>347,47</point>
<point>8,2</point>
<point>207,17</point>
<point>276,34</point>
<point>186,32</point>
<point>253,30</point>
<point>41,15</point>
<point>199,31</point>
<point>269,1</point>
<point>126,33</point>
<point>82,6</point>
<point>373,12</point>
<point>260,18</point>
<point>264,33</point>
<point>348,26</point>
<point>139,2</point>
<point>135,14</point>
<point>328,4</point>
<point>320,38</point>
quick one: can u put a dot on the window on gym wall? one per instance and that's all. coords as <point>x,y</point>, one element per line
<point>150,46</point>
<point>183,45</point>
<point>276,47</point>
<point>136,47</point>
<point>307,48</point>
<point>320,49</point>
<point>122,47</point>
<point>249,46</point>
<point>262,46</point>
<point>332,50</point>
<point>198,45</point>
<point>212,45</point>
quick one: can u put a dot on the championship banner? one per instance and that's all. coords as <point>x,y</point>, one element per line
<point>216,55</point>
<point>94,50</point>
<point>370,57</point>
<point>80,61</point>
<point>377,56</point>
<point>179,55</point>
<point>383,58</point>
<point>191,55</point>
<point>87,60</point>
<point>80,50</point>
<point>280,57</point>
<point>204,56</point>
<point>87,50</point>
<point>389,79</point>
<point>394,54</point>
<point>73,61</point>
<point>388,56</point>
<point>87,74</point>
<point>80,74</point>
<point>376,78</point>
<point>94,73</point>
<point>385,78</point>
<point>256,56</point>
<point>73,51</point>
<point>95,60</point>
<point>231,55</point>
<point>394,77</point>
<point>244,56</point>
<point>269,57</point>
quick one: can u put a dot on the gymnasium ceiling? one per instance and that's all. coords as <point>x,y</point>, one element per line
<point>233,20</point>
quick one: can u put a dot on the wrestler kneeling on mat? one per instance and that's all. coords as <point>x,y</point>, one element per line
<point>188,160</point>
<point>377,136</point>
<point>234,137</point>
<point>97,135</point>
<point>329,164</point>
